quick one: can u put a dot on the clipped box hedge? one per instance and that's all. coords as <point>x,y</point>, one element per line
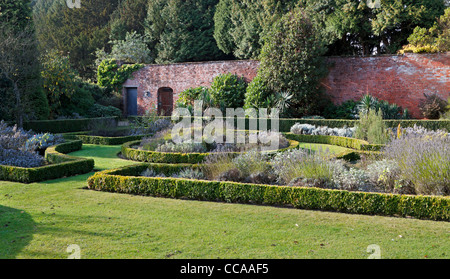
<point>125,180</point>
<point>61,165</point>
<point>134,154</point>
<point>352,143</point>
<point>64,125</point>
<point>285,124</point>
<point>98,140</point>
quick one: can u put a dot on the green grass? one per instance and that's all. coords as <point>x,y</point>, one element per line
<point>41,220</point>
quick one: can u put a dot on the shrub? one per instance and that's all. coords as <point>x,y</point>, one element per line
<point>112,76</point>
<point>424,161</point>
<point>122,181</point>
<point>257,94</point>
<point>387,110</point>
<point>292,61</point>
<point>385,176</point>
<point>185,147</point>
<point>189,173</point>
<point>350,179</point>
<point>251,162</point>
<point>98,110</point>
<point>19,158</point>
<point>432,106</point>
<point>151,173</point>
<point>60,165</point>
<point>371,127</point>
<point>228,91</point>
<point>63,125</point>
<point>149,125</point>
<point>13,137</point>
<point>189,96</point>
<point>297,163</point>
<point>44,140</point>
<point>307,129</point>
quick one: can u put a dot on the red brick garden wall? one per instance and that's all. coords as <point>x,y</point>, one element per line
<point>400,79</point>
<point>182,76</point>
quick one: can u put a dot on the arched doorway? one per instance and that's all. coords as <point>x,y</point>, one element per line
<point>165,101</point>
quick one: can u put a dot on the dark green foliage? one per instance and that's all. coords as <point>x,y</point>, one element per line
<point>6,99</point>
<point>129,16</point>
<point>124,180</point>
<point>291,61</point>
<point>258,94</point>
<point>79,32</point>
<point>19,66</point>
<point>112,76</point>
<point>89,139</point>
<point>189,96</point>
<point>346,110</point>
<point>104,111</point>
<point>60,166</point>
<point>63,126</point>
<point>356,28</point>
<point>182,31</point>
<point>240,26</point>
<point>228,91</point>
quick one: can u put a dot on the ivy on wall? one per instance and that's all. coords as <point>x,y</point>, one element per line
<point>111,75</point>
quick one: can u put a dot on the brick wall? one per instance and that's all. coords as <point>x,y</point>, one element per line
<point>400,79</point>
<point>182,76</point>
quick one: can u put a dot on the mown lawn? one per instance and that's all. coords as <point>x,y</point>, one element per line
<point>41,220</point>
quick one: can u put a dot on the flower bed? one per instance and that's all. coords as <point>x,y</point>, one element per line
<point>127,180</point>
<point>135,154</point>
<point>60,165</point>
<point>99,140</point>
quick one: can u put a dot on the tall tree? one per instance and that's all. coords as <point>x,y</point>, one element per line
<point>19,66</point>
<point>78,32</point>
<point>292,64</point>
<point>240,26</point>
<point>129,17</point>
<point>355,27</point>
<point>182,31</point>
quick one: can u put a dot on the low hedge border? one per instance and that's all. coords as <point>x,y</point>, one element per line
<point>352,143</point>
<point>64,125</point>
<point>125,181</point>
<point>359,147</point>
<point>98,140</point>
<point>61,165</point>
<point>285,124</point>
<point>175,158</point>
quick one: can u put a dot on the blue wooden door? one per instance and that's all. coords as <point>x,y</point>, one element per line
<point>132,101</point>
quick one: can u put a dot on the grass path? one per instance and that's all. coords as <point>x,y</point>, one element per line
<point>41,220</point>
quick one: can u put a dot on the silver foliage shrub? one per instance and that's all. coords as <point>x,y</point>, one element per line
<point>423,158</point>
<point>308,129</point>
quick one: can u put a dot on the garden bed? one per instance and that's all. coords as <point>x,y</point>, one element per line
<point>128,180</point>
<point>101,140</point>
<point>131,153</point>
<point>59,165</point>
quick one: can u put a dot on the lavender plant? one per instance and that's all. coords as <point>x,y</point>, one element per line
<point>424,161</point>
<point>297,163</point>
<point>20,158</point>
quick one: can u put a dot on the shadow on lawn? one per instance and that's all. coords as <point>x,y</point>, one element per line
<point>16,231</point>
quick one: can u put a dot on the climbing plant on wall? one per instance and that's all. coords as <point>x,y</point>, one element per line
<point>111,75</point>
